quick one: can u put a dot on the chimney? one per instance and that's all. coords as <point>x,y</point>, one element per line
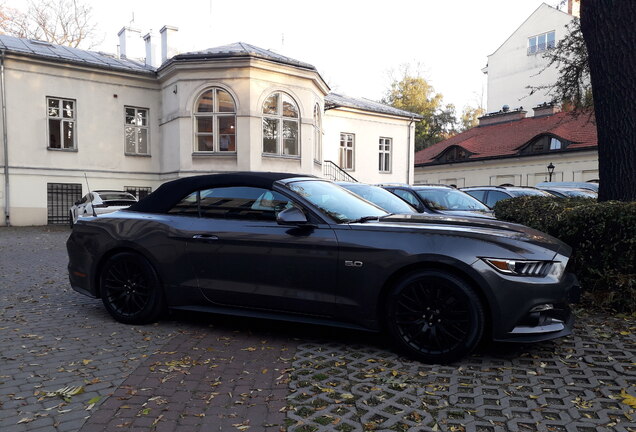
<point>130,45</point>
<point>152,52</point>
<point>546,109</point>
<point>574,8</point>
<point>168,42</point>
<point>503,116</point>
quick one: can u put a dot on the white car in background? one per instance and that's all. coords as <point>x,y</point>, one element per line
<point>100,202</point>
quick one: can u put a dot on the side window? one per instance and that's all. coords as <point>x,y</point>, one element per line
<point>494,196</point>
<point>237,202</point>
<point>407,196</point>
<point>477,194</point>
<point>242,203</point>
<point>188,206</point>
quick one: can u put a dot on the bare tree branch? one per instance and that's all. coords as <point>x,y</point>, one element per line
<point>63,22</point>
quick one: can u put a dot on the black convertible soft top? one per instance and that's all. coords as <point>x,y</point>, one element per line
<point>170,193</point>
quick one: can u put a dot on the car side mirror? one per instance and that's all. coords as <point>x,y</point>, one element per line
<point>291,216</point>
<point>77,202</point>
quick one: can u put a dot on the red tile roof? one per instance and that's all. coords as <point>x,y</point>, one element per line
<point>505,139</point>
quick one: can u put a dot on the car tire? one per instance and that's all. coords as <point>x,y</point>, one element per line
<point>434,316</point>
<point>131,289</point>
<point>70,219</point>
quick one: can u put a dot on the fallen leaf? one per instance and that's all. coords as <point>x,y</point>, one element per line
<point>628,399</point>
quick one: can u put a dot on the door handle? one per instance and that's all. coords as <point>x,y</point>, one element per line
<point>205,237</point>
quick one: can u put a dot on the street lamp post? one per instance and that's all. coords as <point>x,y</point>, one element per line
<point>550,171</point>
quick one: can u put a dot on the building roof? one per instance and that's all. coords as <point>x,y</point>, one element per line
<point>241,49</point>
<point>507,139</point>
<point>65,54</point>
<point>334,100</point>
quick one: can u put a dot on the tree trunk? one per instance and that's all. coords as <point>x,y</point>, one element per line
<point>608,28</point>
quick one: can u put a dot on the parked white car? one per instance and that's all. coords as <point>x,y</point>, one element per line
<point>100,201</point>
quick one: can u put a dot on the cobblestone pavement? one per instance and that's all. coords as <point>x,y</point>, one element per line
<point>207,373</point>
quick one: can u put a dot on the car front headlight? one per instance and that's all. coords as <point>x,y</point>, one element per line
<point>536,268</point>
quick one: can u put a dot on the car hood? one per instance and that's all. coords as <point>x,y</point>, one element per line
<point>483,228</point>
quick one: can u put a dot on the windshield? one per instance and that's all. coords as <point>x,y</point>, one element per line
<point>526,192</point>
<point>450,199</point>
<point>380,197</point>
<point>335,201</point>
<point>578,193</point>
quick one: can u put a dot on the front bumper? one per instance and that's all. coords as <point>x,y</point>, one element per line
<point>532,309</point>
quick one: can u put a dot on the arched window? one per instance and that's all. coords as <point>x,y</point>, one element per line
<point>317,134</point>
<point>280,125</point>
<point>215,122</point>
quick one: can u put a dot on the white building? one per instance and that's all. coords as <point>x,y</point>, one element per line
<point>72,115</point>
<point>519,64</point>
<point>509,146</point>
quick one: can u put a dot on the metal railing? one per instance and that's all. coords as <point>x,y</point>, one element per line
<point>333,172</point>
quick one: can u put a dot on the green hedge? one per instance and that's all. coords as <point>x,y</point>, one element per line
<point>602,236</point>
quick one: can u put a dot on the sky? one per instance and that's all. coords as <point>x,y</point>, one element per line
<point>357,46</point>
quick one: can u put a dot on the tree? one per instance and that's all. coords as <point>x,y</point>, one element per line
<point>569,56</point>
<point>413,93</point>
<point>62,22</point>
<point>470,117</point>
<point>608,29</point>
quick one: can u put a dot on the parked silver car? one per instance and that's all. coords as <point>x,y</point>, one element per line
<point>100,202</point>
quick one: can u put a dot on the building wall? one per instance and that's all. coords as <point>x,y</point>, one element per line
<point>368,129</point>
<point>100,98</point>
<point>520,171</point>
<point>250,82</point>
<point>511,69</point>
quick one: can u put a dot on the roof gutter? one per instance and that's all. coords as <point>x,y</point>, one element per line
<point>5,141</point>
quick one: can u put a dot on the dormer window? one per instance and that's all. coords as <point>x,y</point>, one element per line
<point>544,144</point>
<point>540,43</point>
<point>453,154</point>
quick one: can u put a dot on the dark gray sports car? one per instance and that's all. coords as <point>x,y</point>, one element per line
<point>304,249</point>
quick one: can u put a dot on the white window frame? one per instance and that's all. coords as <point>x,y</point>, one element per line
<point>385,147</point>
<point>215,115</point>
<point>547,45</point>
<point>62,120</point>
<point>280,118</point>
<point>345,139</point>
<point>137,128</point>
<point>317,134</point>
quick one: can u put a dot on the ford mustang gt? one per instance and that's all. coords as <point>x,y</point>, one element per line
<point>298,248</point>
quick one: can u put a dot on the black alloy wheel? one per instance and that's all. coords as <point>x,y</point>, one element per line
<point>435,316</point>
<point>130,289</point>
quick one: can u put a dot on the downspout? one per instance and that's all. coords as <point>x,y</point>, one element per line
<point>408,156</point>
<point>5,141</point>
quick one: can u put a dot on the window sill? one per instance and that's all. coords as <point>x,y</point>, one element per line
<point>385,172</point>
<point>136,155</point>
<point>213,154</point>
<point>72,150</point>
<point>277,156</point>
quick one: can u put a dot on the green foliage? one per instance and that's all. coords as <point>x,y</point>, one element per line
<point>413,93</point>
<point>470,117</point>
<point>603,238</point>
